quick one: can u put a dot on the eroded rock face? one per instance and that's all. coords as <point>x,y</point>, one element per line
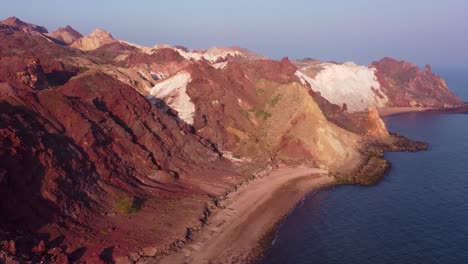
<point>257,109</point>
<point>174,93</point>
<point>350,84</point>
<point>386,83</point>
<point>91,149</point>
<point>376,127</point>
<point>32,75</point>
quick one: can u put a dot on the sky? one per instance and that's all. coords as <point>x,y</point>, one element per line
<point>420,31</point>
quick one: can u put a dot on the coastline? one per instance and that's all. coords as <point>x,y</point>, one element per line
<point>236,232</point>
<point>389,111</point>
<point>241,226</point>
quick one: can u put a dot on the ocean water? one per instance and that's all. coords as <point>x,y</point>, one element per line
<point>417,214</point>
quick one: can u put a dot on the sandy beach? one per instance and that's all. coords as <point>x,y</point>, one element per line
<point>233,232</point>
<point>388,111</point>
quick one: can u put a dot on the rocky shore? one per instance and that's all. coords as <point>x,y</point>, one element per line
<point>234,230</point>
<point>232,235</point>
<point>375,166</point>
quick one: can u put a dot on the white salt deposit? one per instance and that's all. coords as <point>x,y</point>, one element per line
<point>173,91</point>
<point>211,55</point>
<point>220,65</point>
<point>347,83</point>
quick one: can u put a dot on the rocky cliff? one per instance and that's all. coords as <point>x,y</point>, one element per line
<point>407,85</point>
<point>385,83</point>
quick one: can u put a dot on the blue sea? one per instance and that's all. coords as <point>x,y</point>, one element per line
<point>417,214</point>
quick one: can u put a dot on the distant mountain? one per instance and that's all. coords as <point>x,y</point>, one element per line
<point>26,27</point>
<point>67,35</point>
<point>96,39</point>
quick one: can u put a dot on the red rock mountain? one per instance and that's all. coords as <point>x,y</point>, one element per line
<point>80,147</point>
<point>407,85</point>
<point>385,83</point>
<point>26,27</point>
<point>107,146</point>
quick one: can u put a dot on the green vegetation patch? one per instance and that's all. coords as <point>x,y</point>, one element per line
<point>259,113</point>
<point>275,100</point>
<point>244,113</point>
<point>129,205</point>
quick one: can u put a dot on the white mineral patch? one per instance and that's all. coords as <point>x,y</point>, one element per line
<point>211,55</point>
<point>347,83</point>
<point>173,91</point>
<point>220,65</point>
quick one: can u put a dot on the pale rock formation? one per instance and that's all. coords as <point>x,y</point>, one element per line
<point>348,83</point>
<point>96,39</point>
<point>173,91</point>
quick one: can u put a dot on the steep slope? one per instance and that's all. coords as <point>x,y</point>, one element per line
<point>134,66</point>
<point>174,92</point>
<point>407,85</point>
<point>66,35</point>
<point>26,27</point>
<point>257,109</point>
<point>90,149</point>
<point>347,84</point>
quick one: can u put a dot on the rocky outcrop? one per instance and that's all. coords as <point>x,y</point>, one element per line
<point>407,85</point>
<point>376,126</point>
<point>32,75</point>
<point>428,69</point>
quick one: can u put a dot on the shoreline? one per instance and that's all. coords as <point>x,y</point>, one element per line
<point>242,225</point>
<point>390,111</point>
<point>237,231</point>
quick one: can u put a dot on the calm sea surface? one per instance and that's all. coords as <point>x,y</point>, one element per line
<point>417,214</point>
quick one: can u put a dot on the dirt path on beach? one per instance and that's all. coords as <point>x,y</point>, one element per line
<point>234,232</point>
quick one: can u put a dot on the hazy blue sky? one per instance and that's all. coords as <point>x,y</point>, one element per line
<point>422,31</point>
